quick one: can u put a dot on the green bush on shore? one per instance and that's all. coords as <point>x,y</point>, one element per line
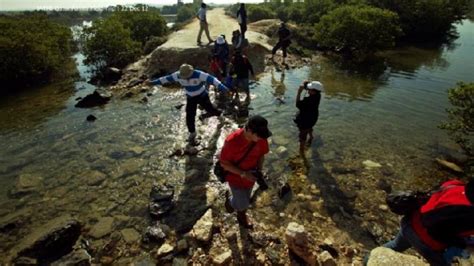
<point>358,28</point>
<point>258,12</point>
<point>32,49</point>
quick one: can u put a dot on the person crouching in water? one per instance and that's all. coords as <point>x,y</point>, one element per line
<point>308,110</point>
<point>242,156</point>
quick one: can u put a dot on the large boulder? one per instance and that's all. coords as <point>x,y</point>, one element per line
<point>385,256</point>
<point>97,98</point>
<point>202,230</point>
<point>50,241</point>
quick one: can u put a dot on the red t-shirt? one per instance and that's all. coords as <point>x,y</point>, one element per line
<point>234,148</point>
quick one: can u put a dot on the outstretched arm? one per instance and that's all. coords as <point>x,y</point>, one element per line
<point>163,80</point>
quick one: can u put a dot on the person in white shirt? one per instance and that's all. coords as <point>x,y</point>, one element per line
<point>201,15</point>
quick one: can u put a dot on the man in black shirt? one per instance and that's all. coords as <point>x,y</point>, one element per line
<point>284,41</point>
<point>308,110</point>
<point>241,67</point>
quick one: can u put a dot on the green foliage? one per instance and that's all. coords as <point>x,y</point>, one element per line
<point>154,42</point>
<point>461,116</point>
<point>258,12</point>
<point>109,43</point>
<point>185,12</point>
<point>32,49</point>
<point>358,29</point>
<point>421,19</point>
<point>142,25</point>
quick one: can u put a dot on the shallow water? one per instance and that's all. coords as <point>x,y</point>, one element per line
<point>387,113</point>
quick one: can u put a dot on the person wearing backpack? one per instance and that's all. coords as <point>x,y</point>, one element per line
<point>248,147</point>
<point>241,67</point>
<point>442,227</point>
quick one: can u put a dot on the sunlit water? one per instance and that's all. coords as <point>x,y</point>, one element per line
<point>388,114</point>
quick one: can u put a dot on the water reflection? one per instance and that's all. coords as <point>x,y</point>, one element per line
<point>278,86</point>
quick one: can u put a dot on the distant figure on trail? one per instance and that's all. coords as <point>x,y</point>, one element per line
<point>242,19</point>
<point>221,52</point>
<point>194,83</point>
<point>242,156</point>
<point>241,67</point>
<point>308,111</point>
<point>284,36</point>
<point>203,25</point>
<point>442,228</point>
<point>239,43</point>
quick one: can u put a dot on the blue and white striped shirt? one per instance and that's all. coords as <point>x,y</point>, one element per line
<point>195,85</point>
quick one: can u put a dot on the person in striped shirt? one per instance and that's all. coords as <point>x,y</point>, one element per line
<point>194,83</point>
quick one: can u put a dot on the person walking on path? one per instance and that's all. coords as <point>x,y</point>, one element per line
<point>308,111</point>
<point>221,52</point>
<point>247,145</point>
<point>203,25</point>
<point>241,67</point>
<point>194,83</point>
<point>242,19</point>
<point>284,36</point>
<point>442,227</point>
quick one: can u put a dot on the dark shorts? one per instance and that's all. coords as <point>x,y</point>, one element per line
<point>304,133</point>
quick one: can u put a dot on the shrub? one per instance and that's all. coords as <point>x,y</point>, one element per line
<point>185,12</point>
<point>461,116</point>
<point>358,28</point>
<point>154,42</point>
<point>258,12</point>
<point>32,49</point>
<point>142,25</point>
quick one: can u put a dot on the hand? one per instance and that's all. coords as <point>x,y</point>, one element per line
<point>148,82</point>
<point>248,175</point>
<point>301,88</point>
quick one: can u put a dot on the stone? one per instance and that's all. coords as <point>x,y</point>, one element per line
<point>102,228</point>
<point>94,178</point>
<point>368,164</point>
<point>182,245</point>
<point>76,257</point>
<point>202,230</point>
<point>180,262</point>
<point>97,98</point>
<point>91,118</point>
<point>383,207</point>
<point>164,250</point>
<point>326,259</point>
<point>130,235</point>
<point>223,258</point>
<point>14,220</point>
<point>299,242</point>
<point>52,240</point>
<point>281,150</point>
<point>134,82</point>
<point>449,165</point>
<point>26,183</point>
<point>154,233</point>
<point>386,256</point>
<point>384,185</point>
<point>137,150</point>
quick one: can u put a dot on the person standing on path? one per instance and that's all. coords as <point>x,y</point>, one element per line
<point>249,146</point>
<point>242,19</point>
<point>284,41</point>
<point>194,83</point>
<point>203,25</point>
<point>241,67</point>
<point>308,111</point>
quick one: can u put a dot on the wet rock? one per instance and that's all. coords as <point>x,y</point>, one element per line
<point>191,150</point>
<point>95,178</point>
<point>144,100</point>
<point>223,258</point>
<point>112,74</point>
<point>14,220</point>
<point>102,228</point>
<point>179,106</point>
<point>164,250</point>
<point>131,166</point>
<point>285,189</point>
<point>77,257</point>
<point>134,82</point>
<point>137,150</point>
<point>368,164</point>
<point>449,166</point>
<point>106,260</point>
<point>281,150</point>
<point>130,235</point>
<point>97,98</point>
<point>387,171</point>
<point>50,241</point>
<point>383,207</point>
<point>385,256</point>
<point>281,141</point>
<point>91,118</point>
<point>202,230</point>
<point>341,170</point>
<point>384,185</point>
<point>145,260</point>
<point>154,233</point>
<point>161,200</point>
<point>326,259</point>
<point>182,245</point>
<point>23,261</point>
<point>26,183</point>
<point>180,262</point>
<point>299,242</point>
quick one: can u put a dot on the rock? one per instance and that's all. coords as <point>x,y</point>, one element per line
<point>98,97</point>
<point>76,257</point>
<point>134,82</point>
<point>326,259</point>
<point>284,190</point>
<point>180,262</point>
<point>102,228</point>
<point>281,141</point>
<point>154,233</point>
<point>202,230</point>
<point>191,150</point>
<point>26,183</point>
<point>164,250</point>
<point>106,260</point>
<point>449,165</point>
<point>94,178</point>
<point>91,118</point>
<point>299,242</point>
<point>182,245</point>
<point>281,150</point>
<point>112,74</point>
<point>385,256</point>
<point>130,235</point>
<point>384,185</point>
<point>371,164</point>
<point>50,241</point>
<point>145,260</point>
<point>161,200</point>
<point>14,220</point>
<point>341,170</point>
<point>137,150</point>
<point>223,258</point>
<point>25,261</point>
<point>383,207</point>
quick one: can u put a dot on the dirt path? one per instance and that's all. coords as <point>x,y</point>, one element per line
<point>219,23</point>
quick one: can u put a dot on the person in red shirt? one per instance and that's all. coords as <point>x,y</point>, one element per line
<point>249,146</point>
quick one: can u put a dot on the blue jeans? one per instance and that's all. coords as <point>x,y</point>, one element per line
<point>407,238</point>
<point>240,199</point>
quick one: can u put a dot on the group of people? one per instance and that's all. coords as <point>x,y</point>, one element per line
<point>440,229</point>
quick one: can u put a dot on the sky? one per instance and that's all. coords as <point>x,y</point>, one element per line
<point>56,4</point>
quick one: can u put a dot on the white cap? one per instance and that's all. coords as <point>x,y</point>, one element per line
<point>220,40</point>
<point>315,85</point>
